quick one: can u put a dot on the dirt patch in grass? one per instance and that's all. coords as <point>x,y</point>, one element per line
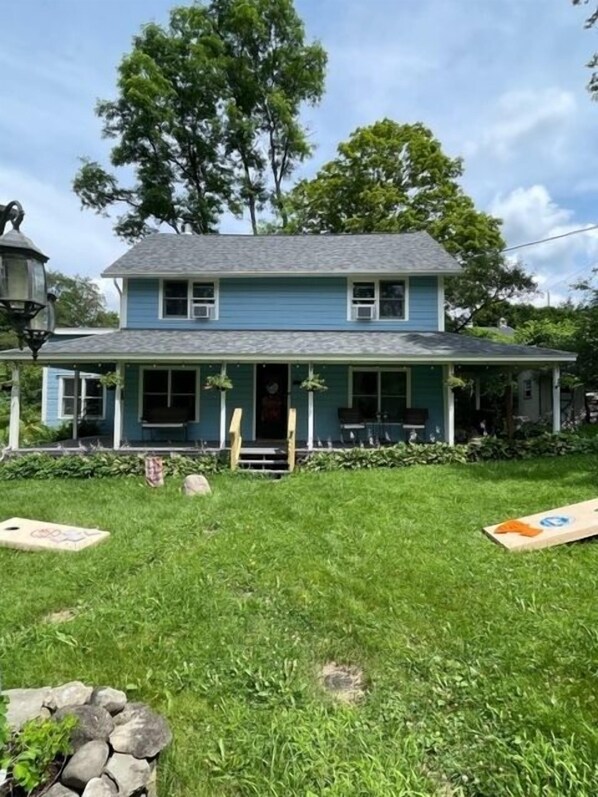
<point>345,683</point>
<point>63,616</point>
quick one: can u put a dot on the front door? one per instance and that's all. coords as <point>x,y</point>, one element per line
<point>271,401</point>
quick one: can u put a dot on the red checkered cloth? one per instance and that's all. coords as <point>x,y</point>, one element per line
<point>154,471</point>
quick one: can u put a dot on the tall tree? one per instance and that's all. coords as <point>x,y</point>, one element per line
<point>80,303</point>
<point>593,62</point>
<point>393,177</point>
<point>207,116</point>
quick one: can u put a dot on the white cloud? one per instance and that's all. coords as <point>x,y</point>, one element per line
<point>521,116</point>
<point>531,214</point>
<point>76,241</point>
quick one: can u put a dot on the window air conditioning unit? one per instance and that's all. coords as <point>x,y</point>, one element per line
<point>202,312</point>
<point>365,312</point>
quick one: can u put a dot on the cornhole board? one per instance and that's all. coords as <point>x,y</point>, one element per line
<point>37,535</point>
<point>565,524</point>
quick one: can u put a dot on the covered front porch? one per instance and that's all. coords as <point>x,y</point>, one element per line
<point>379,388</point>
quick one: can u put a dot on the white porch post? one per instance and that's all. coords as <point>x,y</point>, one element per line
<point>449,406</point>
<point>556,399</point>
<point>310,410</point>
<point>76,405</point>
<point>223,410</point>
<point>15,409</point>
<point>478,396</point>
<point>118,406</point>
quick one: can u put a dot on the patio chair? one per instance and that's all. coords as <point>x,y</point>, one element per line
<point>414,421</point>
<point>350,420</point>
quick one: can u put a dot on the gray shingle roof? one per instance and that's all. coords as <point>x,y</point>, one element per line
<point>234,346</point>
<point>167,254</point>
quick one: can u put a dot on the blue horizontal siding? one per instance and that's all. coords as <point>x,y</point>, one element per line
<point>304,303</point>
<point>426,393</point>
<point>207,428</point>
<point>51,398</point>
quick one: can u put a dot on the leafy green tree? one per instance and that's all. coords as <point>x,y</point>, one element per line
<point>516,314</point>
<point>392,177</point>
<point>80,303</point>
<point>207,117</point>
<point>591,21</point>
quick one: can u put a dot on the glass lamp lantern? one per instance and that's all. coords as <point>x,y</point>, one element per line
<point>41,326</point>
<point>23,289</point>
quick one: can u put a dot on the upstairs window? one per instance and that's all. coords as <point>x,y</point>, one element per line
<point>90,402</point>
<point>175,302</point>
<point>185,299</point>
<point>378,300</point>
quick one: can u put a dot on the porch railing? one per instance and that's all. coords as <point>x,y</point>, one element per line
<point>235,438</point>
<point>292,438</point>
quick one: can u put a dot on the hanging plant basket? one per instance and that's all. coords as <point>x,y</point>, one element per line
<point>459,382</point>
<point>314,384</point>
<point>111,380</point>
<point>220,382</point>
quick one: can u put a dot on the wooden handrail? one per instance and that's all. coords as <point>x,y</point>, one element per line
<point>292,438</point>
<point>235,438</point>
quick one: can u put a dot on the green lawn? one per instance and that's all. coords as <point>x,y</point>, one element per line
<point>481,666</point>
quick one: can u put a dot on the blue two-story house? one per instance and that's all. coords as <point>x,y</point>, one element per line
<point>363,312</point>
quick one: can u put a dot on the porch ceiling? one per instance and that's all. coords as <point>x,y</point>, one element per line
<point>147,345</point>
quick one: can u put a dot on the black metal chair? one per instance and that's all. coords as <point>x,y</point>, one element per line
<point>350,420</point>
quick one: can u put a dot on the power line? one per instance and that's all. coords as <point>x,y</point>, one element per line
<point>552,238</point>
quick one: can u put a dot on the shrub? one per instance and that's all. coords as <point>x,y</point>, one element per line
<point>100,465</point>
<point>404,455</point>
<point>30,756</point>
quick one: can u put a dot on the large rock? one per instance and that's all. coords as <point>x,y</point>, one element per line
<point>113,700</point>
<point>58,790</point>
<point>94,722</point>
<point>130,774</point>
<point>100,787</point>
<point>87,763</point>
<point>195,484</point>
<point>141,732</point>
<point>24,705</point>
<point>74,693</point>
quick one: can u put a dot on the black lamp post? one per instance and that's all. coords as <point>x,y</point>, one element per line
<point>23,291</point>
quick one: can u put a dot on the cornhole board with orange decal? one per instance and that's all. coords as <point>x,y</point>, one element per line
<point>37,535</point>
<point>565,524</point>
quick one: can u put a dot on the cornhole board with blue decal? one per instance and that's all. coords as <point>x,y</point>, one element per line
<point>37,535</point>
<point>556,526</point>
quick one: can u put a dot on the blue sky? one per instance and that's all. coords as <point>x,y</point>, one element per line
<point>500,82</point>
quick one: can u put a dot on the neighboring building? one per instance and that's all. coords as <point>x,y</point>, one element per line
<point>365,312</point>
<point>533,397</point>
<point>59,389</point>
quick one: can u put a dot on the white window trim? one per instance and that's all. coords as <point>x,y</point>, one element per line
<point>407,371</point>
<point>441,310</point>
<point>376,283</point>
<point>167,367</point>
<point>524,389</point>
<point>82,378</point>
<point>190,283</point>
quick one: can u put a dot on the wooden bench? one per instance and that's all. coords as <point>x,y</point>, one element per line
<point>165,418</point>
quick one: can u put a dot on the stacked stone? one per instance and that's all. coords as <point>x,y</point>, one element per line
<point>116,744</point>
